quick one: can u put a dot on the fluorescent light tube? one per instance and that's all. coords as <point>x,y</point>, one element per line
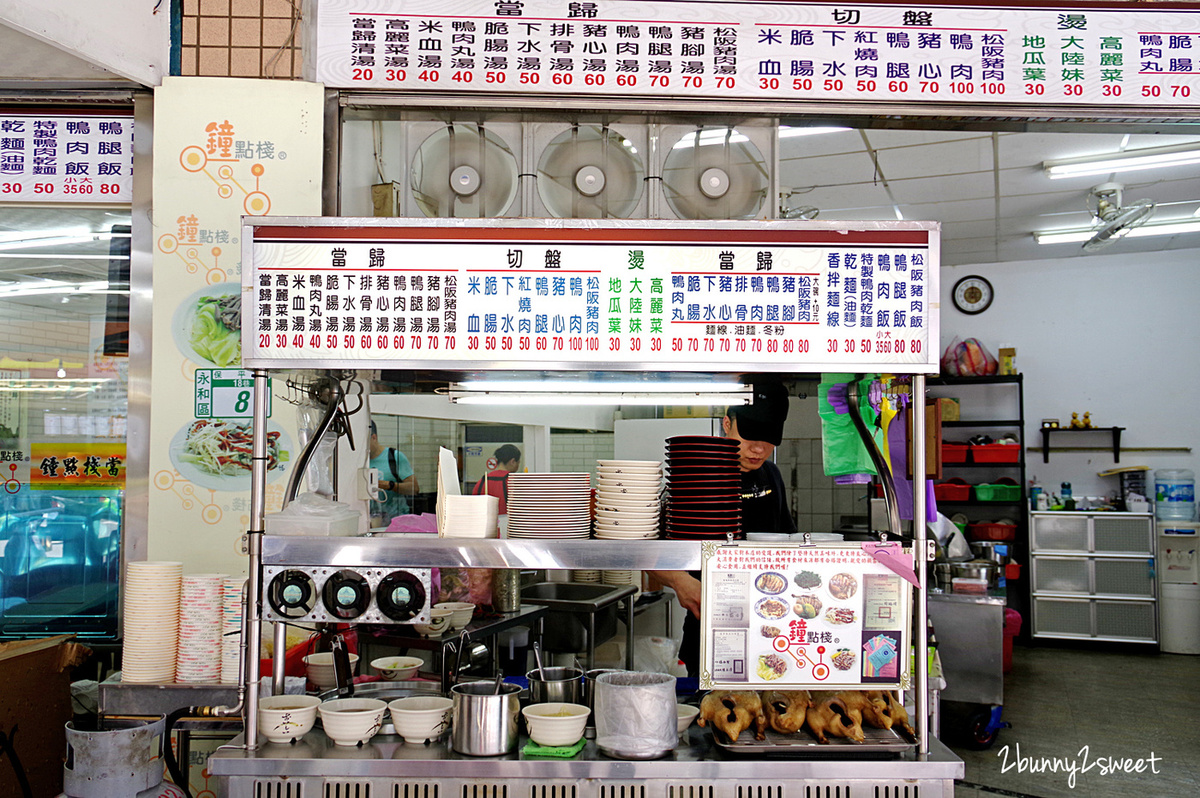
<point>1145,231</point>
<point>1128,161</point>
<point>787,132</point>
<point>611,399</point>
<point>629,386</point>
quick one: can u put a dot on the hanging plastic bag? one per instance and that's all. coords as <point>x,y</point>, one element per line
<point>842,448</point>
<point>967,358</point>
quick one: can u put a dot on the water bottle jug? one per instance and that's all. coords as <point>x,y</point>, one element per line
<point>1174,494</point>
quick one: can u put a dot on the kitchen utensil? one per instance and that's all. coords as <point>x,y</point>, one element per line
<point>684,715</point>
<point>496,685</point>
<point>283,718</point>
<point>420,718</point>
<point>555,684</point>
<point>977,569</point>
<point>537,655</point>
<point>506,590</point>
<point>350,721</point>
<point>636,716</point>
<point>992,550</point>
<point>483,723</point>
<point>555,723</point>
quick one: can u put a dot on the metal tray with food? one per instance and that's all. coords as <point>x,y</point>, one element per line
<point>878,741</point>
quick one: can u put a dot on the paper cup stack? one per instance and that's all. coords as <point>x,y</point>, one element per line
<point>199,657</point>
<point>231,624</point>
<point>151,622</point>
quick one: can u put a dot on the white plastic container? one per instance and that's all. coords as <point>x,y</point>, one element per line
<point>312,514</point>
<point>1174,494</point>
<point>1179,621</point>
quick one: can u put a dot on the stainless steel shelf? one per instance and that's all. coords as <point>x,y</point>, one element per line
<point>427,551</point>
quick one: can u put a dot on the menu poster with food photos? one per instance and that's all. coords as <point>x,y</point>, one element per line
<point>802,617</point>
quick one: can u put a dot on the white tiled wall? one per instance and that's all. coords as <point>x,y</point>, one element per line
<point>820,504</point>
<point>579,451</point>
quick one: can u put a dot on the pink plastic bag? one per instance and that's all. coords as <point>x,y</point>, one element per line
<point>967,358</point>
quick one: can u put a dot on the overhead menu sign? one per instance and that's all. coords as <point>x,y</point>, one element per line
<point>728,296</point>
<point>802,617</point>
<point>766,51</point>
<point>47,157</point>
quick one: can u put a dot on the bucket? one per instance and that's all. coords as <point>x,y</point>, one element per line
<point>483,723</point>
<point>1012,628</point>
<point>124,759</point>
<point>1174,494</point>
<point>555,685</point>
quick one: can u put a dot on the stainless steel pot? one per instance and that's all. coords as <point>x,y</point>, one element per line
<point>482,722</point>
<point>978,569</point>
<point>555,685</point>
<point>987,550</point>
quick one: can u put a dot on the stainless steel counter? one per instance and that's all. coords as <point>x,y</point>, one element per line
<point>388,761</point>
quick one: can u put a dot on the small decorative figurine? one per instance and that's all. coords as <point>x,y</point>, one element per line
<point>1087,421</point>
<point>1075,422</point>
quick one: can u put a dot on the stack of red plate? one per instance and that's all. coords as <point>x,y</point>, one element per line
<point>704,487</point>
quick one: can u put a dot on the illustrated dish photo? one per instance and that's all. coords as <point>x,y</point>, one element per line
<point>208,326</point>
<point>215,453</point>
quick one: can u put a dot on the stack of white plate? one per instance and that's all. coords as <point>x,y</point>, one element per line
<point>622,578</point>
<point>628,499</point>
<point>231,625</point>
<point>549,505</point>
<point>585,576</point>
<point>151,622</point>
<point>469,516</point>
<point>199,657</point>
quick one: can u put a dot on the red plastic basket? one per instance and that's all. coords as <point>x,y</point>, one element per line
<point>1000,532</point>
<point>954,452</point>
<point>996,453</point>
<point>952,490</point>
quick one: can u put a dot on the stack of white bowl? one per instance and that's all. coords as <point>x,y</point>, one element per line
<point>585,576</point>
<point>199,657</point>
<point>628,505</point>
<point>550,506</point>
<point>151,622</point>
<point>231,625</point>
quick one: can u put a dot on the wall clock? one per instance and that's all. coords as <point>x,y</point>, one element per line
<point>972,294</point>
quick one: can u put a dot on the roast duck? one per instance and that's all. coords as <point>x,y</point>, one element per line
<point>825,713</point>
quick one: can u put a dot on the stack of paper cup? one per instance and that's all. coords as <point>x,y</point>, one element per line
<point>231,624</point>
<point>151,622</point>
<point>199,657</point>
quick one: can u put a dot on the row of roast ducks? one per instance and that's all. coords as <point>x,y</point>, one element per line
<point>824,713</point>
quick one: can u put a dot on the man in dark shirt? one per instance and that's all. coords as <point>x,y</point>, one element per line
<point>759,429</point>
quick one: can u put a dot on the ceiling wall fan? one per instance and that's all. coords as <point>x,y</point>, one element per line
<point>1113,217</point>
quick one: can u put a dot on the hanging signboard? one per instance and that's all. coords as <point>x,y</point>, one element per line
<point>519,294</point>
<point>802,617</point>
<point>66,158</point>
<point>765,51</point>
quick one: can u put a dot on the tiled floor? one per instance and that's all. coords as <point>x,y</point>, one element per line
<point>1119,705</point>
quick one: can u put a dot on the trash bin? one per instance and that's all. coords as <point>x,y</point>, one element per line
<point>1012,628</point>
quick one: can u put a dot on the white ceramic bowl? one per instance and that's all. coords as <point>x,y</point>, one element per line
<point>421,717</point>
<point>350,721</point>
<point>555,723</point>
<point>460,612</point>
<point>283,718</point>
<point>397,668</point>
<point>686,714</point>
<point>320,669</point>
<point>440,622</point>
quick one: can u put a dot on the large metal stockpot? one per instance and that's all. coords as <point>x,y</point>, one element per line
<point>482,721</point>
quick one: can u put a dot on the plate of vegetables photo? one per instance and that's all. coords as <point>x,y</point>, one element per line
<point>215,453</point>
<point>208,326</point>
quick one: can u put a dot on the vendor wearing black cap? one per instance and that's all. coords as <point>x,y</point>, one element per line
<point>758,428</point>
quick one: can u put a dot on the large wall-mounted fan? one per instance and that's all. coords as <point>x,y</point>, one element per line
<point>590,172</point>
<point>715,173</point>
<point>464,171</point>
<point>1114,218</point>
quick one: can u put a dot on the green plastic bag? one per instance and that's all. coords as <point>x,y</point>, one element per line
<point>841,446</point>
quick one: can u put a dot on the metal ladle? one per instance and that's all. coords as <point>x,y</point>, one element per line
<point>537,656</point>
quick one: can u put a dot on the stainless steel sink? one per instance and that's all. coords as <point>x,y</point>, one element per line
<point>582,614</point>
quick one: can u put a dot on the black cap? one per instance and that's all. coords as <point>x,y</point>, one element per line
<point>762,420</point>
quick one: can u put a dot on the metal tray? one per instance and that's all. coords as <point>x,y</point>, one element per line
<point>878,741</point>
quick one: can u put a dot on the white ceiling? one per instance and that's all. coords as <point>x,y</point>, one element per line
<point>987,189</point>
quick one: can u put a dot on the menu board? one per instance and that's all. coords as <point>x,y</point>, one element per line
<point>512,294</point>
<point>51,157</point>
<point>802,617</point>
<point>766,51</point>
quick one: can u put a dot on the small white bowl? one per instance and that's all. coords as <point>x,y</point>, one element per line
<point>686,713</point>
<point>320,669</point>
<point>283,718</point>
<point>350,721</point>
<point>419,718</point>
<point>556,723</point>
<point>397,668</point>
<point>460,612</point>
<point>440,622</point>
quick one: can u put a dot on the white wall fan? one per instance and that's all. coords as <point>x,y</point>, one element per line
<point>590,171</point>
<point>720,172</point>
<point>464,170</point>
<point>1114,218</point>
